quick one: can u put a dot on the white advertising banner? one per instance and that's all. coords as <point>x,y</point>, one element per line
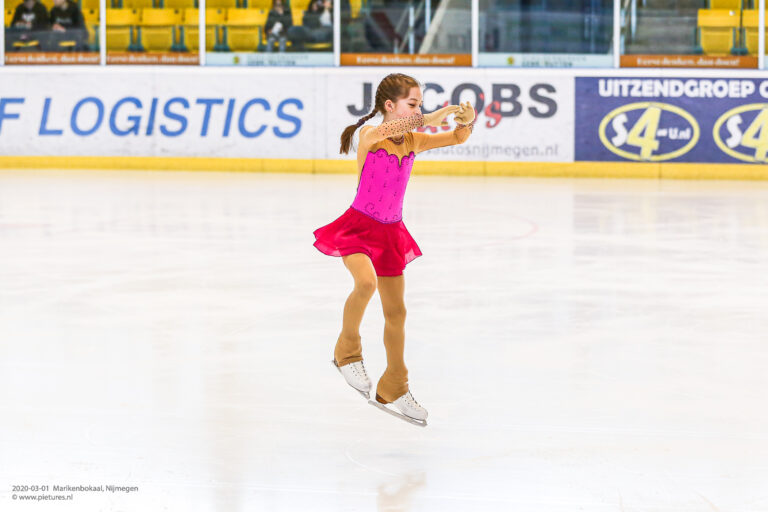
<point>521,117</point>
<point>161,112</point>
<point>262,113</point>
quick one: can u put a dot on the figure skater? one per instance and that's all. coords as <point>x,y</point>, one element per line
<point>371,238</point>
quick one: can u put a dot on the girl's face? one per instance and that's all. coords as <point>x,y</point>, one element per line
<point>404,107</point>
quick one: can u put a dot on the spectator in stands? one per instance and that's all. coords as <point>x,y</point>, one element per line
<point>29,21</point>
<point>68,24</point>
<point>30,15</point>
<point>279,20</point>
<point>316,25</point>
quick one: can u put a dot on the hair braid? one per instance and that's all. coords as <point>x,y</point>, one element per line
<point>364,119</point>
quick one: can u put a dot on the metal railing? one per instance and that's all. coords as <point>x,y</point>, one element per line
<point>409,16</point>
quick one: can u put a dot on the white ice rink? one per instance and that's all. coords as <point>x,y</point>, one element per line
<point>581,345</point>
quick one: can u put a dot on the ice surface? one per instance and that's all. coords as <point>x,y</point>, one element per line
<point>580,345</point>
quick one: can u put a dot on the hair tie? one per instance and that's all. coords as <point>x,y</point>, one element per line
<point>359,122</point>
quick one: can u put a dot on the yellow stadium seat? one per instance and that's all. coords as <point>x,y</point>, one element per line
<point>717,28</point>
<point>138,4</point>
<point>298,5</point>
<point>191,32</point>
<point>751,21</point>
<point>91,17</point>
<point>121,24</point>
<point>158,17</point>
<point>354,7</point>
<point>733,5</point>
<point>9,17</point>
<point>297,17</point>
<point>214,18</point>
<point>47,3</point>
<point>87,5</point>
<point>179,4</point>
<point>159,28</point>
<point>244,27</point>
<point>220,4</point>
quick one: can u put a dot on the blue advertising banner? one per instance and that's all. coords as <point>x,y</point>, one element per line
<point>712,120</point>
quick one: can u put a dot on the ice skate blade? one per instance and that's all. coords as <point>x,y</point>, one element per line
<point>412,421</point>
<point>365,394</point>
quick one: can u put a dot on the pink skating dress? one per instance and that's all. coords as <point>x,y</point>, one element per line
<point>373,224</point>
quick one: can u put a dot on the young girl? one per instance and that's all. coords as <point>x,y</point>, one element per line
<point>371,238</point>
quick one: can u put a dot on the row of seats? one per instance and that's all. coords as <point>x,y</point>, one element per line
<point>139,4</point>
<point>213,4</point>
<point>232,29</point>
<point>172,4</point>
<point>175,29</point>
<point>727,31</point>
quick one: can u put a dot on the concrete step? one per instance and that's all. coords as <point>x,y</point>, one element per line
<point>664,31</point>
<point>665,27</point>
<point>662,37</point>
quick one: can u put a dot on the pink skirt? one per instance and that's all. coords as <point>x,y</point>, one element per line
<point>389,245</point>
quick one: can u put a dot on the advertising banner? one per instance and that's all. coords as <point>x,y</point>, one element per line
<point>274,114</point>
<point>402,59</point>
<point>712,120</point>
<point>187,113</point>
<point>520,117</point>
<point>688,61</point>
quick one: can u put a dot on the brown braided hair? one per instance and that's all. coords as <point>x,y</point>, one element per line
<point>394,87</point>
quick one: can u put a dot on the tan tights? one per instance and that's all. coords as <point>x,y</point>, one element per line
<point>394,382</point>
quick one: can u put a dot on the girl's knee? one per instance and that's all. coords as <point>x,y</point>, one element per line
<point>366,286</point>
<point>395,314</point>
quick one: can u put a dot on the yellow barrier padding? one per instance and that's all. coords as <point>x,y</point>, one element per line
<point>655,170</point>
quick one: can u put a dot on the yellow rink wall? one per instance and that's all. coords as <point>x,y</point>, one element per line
<point>656,170</point>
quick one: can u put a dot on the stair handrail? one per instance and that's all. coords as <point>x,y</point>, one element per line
<point>408,36</point>
<point>629,7</point>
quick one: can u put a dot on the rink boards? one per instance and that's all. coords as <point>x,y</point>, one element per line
<point>611,123</point>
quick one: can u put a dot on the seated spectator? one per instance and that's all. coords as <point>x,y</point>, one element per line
<point>68,24</point>
<point>29,22</point>
<point>279,20</point>
<point>316,26</point>
<point>30,15</point>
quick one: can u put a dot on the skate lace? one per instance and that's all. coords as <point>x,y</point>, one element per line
<point>411,401</point>
<point>359,370</point>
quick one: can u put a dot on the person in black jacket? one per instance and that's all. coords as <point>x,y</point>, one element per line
<point>67,24</point>
<point>30,15</point>
<point>29,23</point>
<point>279,20</point>
<point>316,26</point>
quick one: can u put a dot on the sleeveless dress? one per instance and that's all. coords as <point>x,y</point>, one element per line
<point>373,224</point>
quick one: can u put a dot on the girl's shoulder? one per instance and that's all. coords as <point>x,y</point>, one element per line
<point>387,145</point>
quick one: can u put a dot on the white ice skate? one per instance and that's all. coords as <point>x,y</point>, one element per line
<point>356,376</point>
<point>410,410</point>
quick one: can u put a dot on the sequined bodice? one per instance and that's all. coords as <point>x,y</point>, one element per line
<point>382,185</point>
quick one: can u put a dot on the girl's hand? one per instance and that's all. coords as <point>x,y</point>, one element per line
<point>437,118</point>
<point>466,114</point>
